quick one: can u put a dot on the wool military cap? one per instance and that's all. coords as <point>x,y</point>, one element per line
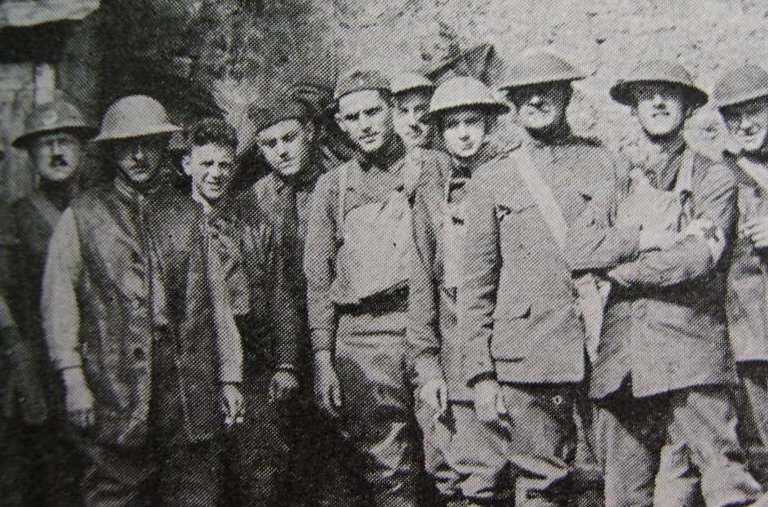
<point>740,84</point>
<point>360,80</point>
<point>134,116</point>
<point>463,91</point>
<point>540,67</point>
<point>657,71</point>
<point>410,81</point>
<point>54,116</point>
<point>265,116</point>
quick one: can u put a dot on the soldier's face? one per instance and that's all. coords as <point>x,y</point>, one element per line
<point>56,156</point>
<point>541,107</point>
<point>139,158</point>
<point>286,146</point>
<point>464,131</point>
<point>410,108</point>
<point>748,124</point>
<point>366,117</point>
<point>661,108</point>
<point>212,168</point>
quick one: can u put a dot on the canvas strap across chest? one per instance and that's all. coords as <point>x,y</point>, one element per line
<point>655,209</point>
<point>376,245</point>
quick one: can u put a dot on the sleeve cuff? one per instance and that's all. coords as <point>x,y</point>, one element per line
<point>67,360</point>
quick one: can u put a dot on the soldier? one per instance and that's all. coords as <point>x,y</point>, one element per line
<point>741,95</point>
<point>261,303</point>
<point>518,313</point>
<point>53,136</point>
<point>411,93</point>
<point>359,242</point>
<point>286,137</point>
<point>463,110</point>
<point>22,398</point>
<point>136,320</point>
<point>662,372</point>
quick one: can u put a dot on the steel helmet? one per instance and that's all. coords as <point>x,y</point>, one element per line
<point>658,71</point>
<point>463,91</point>
<point>410,81</point>
<point>52,117</point>
<point>135,116</point>
<point>740,84</point>
<point>540,67</point>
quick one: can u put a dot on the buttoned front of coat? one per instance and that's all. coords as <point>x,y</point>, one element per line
<point>747,300</point>
<point>144,278</point>
<point>517,304</point>
<point>665,321</point>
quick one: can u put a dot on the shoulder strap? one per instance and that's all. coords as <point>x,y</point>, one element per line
<point>545,199</point>
<point>47,211</point>
<point>685,177</point>
<point>343,177</point>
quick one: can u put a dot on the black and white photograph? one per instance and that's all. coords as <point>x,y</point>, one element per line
<point>383,253</point>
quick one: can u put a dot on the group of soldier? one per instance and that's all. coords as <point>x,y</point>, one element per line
<point>431,314</point>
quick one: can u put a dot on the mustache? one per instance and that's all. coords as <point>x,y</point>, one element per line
<point>58,161</point>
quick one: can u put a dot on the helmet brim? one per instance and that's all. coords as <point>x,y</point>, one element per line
<point>495,109</point>
<point>154,130</point>
<point>83,132</point>
<point>621,92</point>
<point>742,98</point>
<point>520,83</point>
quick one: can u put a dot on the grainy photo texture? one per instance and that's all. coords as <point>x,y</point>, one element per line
<point>385,253</point>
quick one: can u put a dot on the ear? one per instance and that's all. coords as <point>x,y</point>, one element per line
<point>185,164</point>
<point>340,122</point>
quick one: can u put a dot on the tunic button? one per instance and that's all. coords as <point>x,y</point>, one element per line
<point>138,354</point>
<point>136,303</point>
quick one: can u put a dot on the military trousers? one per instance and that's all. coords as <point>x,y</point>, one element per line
<point>526,454</point>
<point>754,378</point>
<point>377,413</point>
<point>168,470</point>
<point>674,449</point>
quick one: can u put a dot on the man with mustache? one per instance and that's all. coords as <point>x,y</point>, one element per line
<point>464,111</point>
<point>411,93</point>
<point>519,313</point>
<point>138,321</point>
<point>53,137</point>
<point>357,253</point>
<point>741,95</point>
<point>257,278</point>
<point>662,374</point>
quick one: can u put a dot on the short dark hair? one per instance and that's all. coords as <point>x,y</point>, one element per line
<point>210,131</point>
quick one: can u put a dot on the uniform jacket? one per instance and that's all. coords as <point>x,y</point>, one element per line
<point>259,281</point>
<point>125,269</point>
<point>665,322</point>
<point>517,307</point>
<point>435,346</point>
<point>747,299</point>
<point>368,181</point>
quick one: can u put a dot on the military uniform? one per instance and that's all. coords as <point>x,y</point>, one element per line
<point>662,372</point>
<point>359,240</point>
<point>129,300</point>
<point>747,276</point>
<point>531,341</point>
<point>435,347</point>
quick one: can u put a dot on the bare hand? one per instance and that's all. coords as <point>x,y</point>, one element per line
<point>489,403</point>
<point>435,394</point>
<point>283,386</point>
<point>327,387</point>
<point>756,229</point>
<point>232,405</point>
<point>79,399</point>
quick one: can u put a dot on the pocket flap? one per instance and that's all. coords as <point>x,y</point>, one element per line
<point>518,310</point>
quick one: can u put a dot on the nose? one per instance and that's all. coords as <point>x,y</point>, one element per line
<point>536,100</point>
<point>56,147</point>
<point>462,131</point>
<point>281,148</point>
<point>365,122</point>
<point>215,171</point>
<point>413,119</point>
<point>138,153</point>
<point>657,100</point>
